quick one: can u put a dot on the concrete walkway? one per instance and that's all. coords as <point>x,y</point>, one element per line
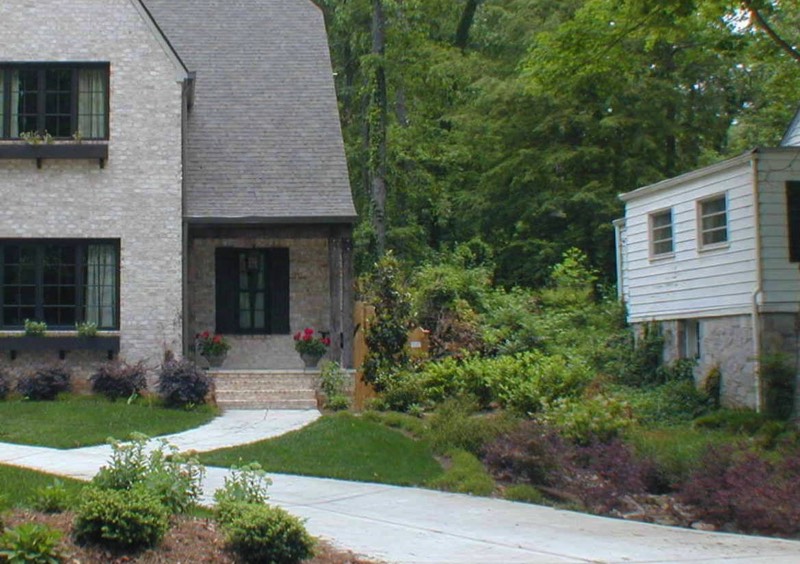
<point>415,525</point>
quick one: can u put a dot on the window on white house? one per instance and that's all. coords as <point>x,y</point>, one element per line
<point>793,219</point>
<point>713,221</point>
<point>661,233</point>
<point>690,339</point>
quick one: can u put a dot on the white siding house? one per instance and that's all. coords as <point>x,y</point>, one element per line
<point>713,257</point>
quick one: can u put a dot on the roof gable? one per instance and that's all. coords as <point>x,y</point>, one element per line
<point>263,138</point>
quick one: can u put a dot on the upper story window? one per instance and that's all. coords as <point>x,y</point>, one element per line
<point>61,99</point>
<point>713,221</point>
<point>661,233</point>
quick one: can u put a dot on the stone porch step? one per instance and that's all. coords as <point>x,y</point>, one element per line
<point>265,389</point>
<point>272,404</point>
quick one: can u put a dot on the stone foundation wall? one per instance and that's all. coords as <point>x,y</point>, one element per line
<point>727,343</point>
<point>309,297</point>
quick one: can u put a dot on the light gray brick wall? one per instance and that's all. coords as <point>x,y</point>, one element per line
<point>309,298</point>
<point>137,197</point>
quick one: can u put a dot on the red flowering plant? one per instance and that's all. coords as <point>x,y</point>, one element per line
<point>211,344</point>
<point>306,343</point>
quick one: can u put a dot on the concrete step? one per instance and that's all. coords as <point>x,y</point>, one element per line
<point>268,404</point>
<point>265,379</point>
<point>258,395</point>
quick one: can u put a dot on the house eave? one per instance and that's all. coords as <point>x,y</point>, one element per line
<point>686,177</point>
<point>161,37</point>
<point>263,220</point>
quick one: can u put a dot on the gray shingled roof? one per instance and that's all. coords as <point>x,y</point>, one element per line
<point>264,139</point>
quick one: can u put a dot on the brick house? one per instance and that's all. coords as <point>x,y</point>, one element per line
<point>192,176</point>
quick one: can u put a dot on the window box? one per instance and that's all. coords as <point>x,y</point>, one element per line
<point>62,344</point>
<point>97,151</point>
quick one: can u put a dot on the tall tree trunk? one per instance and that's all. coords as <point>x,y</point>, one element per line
<point>377,127</point>
<point>465,24</point>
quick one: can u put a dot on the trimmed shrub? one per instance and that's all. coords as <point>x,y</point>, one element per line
<point>30,542</point>
<point>779,381</point>
<point>5,384</point>
<point>128,519</point>
<point>119,379</point>
<point>181,383</point>
<point>46,383</point>
<point>264,534</point>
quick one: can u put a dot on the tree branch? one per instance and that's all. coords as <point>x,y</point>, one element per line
<point>766,28</point>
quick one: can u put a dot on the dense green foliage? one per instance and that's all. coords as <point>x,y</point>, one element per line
<point>515,126</point>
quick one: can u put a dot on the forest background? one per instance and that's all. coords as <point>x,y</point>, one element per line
<point>511,126</point>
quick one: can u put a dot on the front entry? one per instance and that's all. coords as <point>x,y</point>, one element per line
<point>252,291</point>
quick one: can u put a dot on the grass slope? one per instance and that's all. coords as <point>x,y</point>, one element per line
<point>74,421</point>
<point>339,446</point>
<point>18,485</point>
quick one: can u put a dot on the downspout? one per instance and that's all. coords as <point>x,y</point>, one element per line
<point>619,225</point>
<point>758,291</point>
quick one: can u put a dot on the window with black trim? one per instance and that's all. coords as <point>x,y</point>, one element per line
<point>64,100</point>
<point>793,219</point>
<point>60,282</point>
<point>252,291</point>
<point>661,233</point>
<point>713,221</point>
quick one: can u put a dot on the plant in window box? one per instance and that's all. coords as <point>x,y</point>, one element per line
<point>214,348</point>
<point>86,329</point>
<point>36,138</point>
<point>311,348</point>
<point>35,328</point>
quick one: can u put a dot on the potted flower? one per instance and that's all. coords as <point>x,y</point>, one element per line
<point>214,348</point>
<point>311,348</point>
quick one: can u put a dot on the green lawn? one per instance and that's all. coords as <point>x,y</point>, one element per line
<point>339,446</point>
<point>18,485</point>
<point>74,421</point>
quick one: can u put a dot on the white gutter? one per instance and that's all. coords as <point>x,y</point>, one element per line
<point>758,291</point>
<point>619,225</point>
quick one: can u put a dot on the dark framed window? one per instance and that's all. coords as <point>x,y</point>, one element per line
<point>60,282</point>
<point>252,293</point>
<point>793,219</point>
<point>60,99</point>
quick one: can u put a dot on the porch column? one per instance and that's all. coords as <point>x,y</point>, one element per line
<point>348,300</point>
<point>335,285</point>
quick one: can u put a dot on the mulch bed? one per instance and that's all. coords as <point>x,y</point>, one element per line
<point>189,540</point>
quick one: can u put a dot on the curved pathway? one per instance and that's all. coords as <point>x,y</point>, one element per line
<point>415,525</point>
